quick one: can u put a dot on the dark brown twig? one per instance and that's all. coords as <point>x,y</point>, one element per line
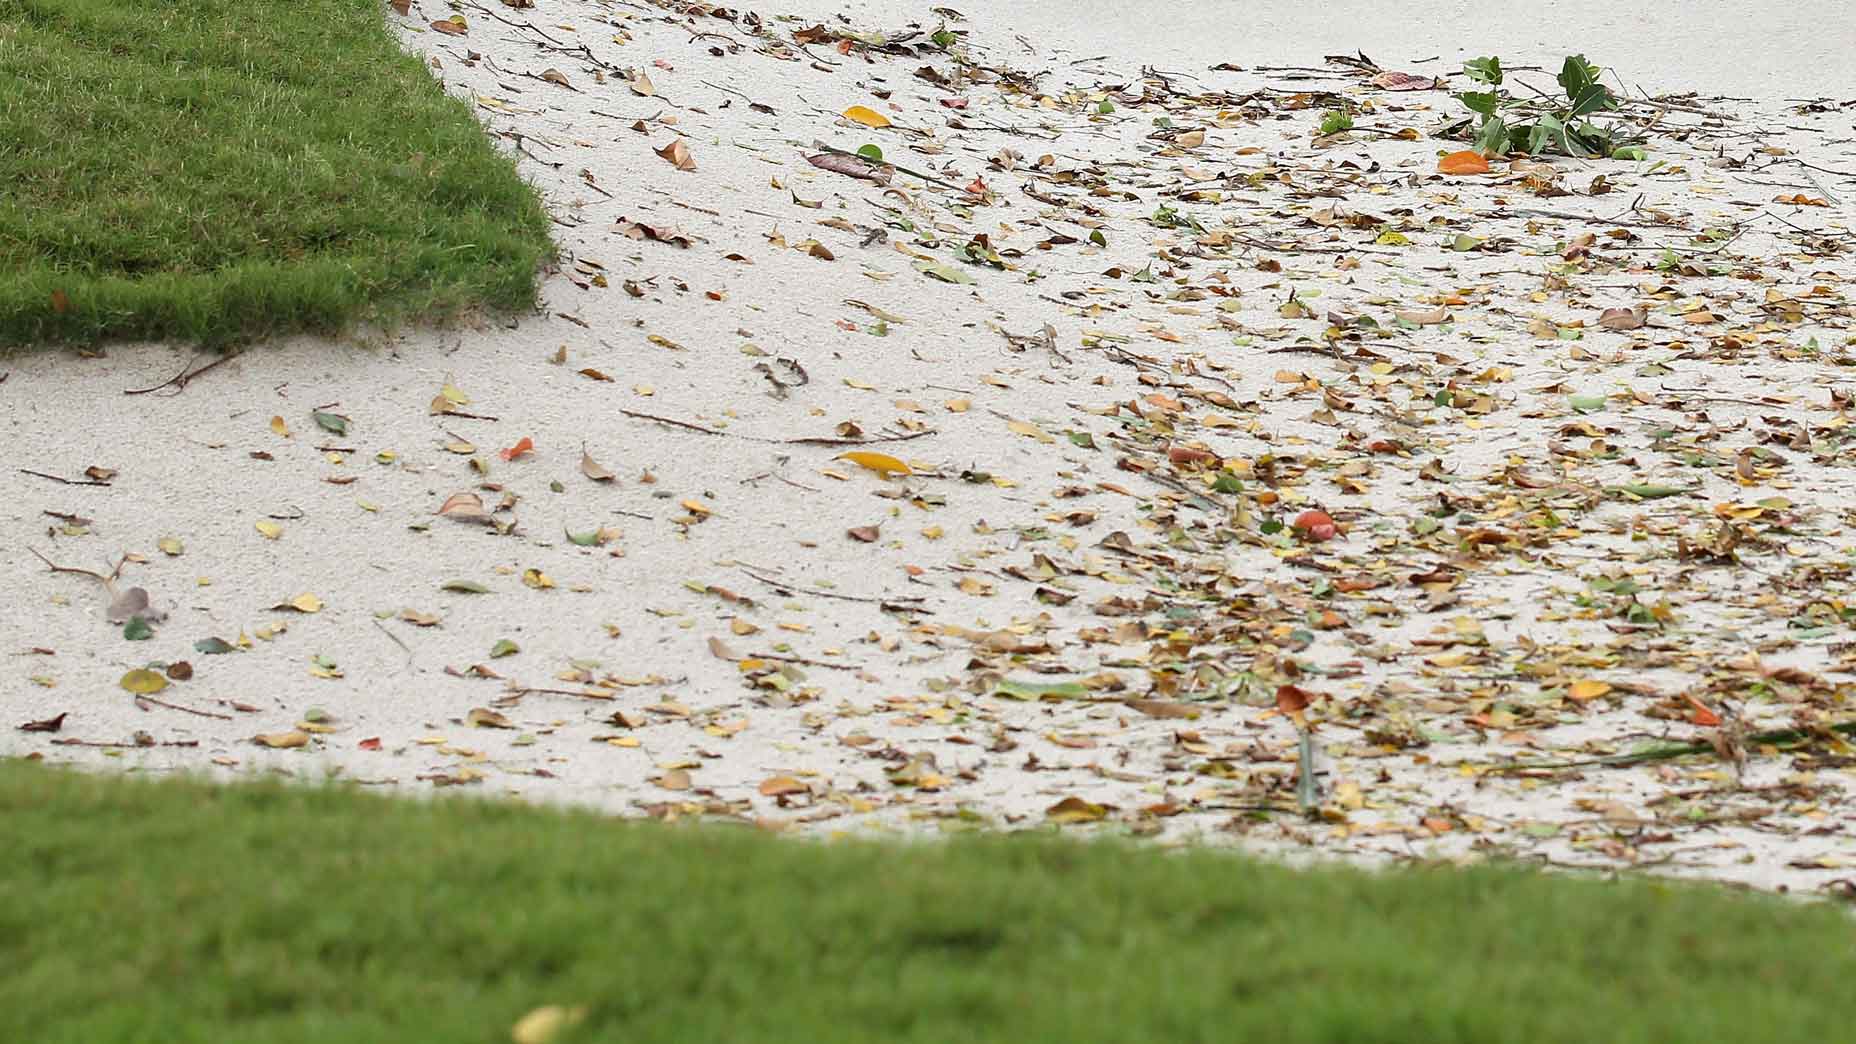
<point>61,479</point>
<point>141,699</point>
<point>180,380</point>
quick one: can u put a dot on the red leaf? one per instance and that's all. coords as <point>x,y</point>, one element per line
<point>525,446</point>
<point>1316,525</point>
<point>370,743</point>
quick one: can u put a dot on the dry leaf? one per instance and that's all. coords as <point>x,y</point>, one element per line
<point>592,468</point>
<point>282,740</point>
<point>453,26</point>
<point>677,154</point>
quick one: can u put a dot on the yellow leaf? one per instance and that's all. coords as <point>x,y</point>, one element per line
<point>305,603</point>
<point>278,426</point>
<point>1075,810</point>
<point>545,1023</point>
<point>143,681</point>
<point>1030,431</point>
<point>537,579</point>
<point>867,116</point>
<point>881,463</point>
<point>170,546</point>
<point>1588,689</point>
<point>282,740</point>
<point>269,530</point>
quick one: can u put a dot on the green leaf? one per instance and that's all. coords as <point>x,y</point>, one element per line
<point>1336,120</point>
<point>1492,137</point>
<point>590,538</point>
<point>333,423</point>
<point>464,587</point>
<point>1483,102</point>
<point>1018,690</point>
<point>1484,70</point>
<point>213,646</point>
<point>1105,107</point>
<point>1586,403</point>
<point>872,153</point>
<point>1577,74</point>
<point>1594,98</point>
<point>137,630</point>
<point>504,647</point>
<point>944,38</point>
<point>945,273</point>
<point>1630,152</point>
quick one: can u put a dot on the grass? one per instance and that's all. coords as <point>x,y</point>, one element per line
<point>224,170</point>
<point>174,911</point>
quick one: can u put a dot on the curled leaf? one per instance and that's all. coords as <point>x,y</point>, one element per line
<point>143,682</point>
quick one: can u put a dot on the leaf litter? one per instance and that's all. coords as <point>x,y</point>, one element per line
<point>1362,493</point>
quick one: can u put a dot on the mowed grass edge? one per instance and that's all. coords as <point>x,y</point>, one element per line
<point>225,170</point>
<point>177,911</point>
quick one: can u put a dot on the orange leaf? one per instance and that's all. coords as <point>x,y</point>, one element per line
<point>1468,161</point>
<point>524,446</point>
<point>1701,715</point>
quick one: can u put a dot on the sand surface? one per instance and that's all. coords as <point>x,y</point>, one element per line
<point>1178,317</point>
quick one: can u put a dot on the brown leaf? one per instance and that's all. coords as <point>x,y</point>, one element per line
<point>677,154</point>
<point>1165,709</point>
<point>1622,318</point>
<point>776,786</point>
<point>853,166</point>
<point>485,718</point>
<point>400,7</point>
<point>282,740</point>
<point>466,506</point>
<point>593,469</point>
<point>867,534</point>
<point>47,725</point>
<point>1403,81</point>
<point>453,26</point>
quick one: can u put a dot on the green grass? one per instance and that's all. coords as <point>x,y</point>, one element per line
<point>155,912</point>
<point>224,170</point>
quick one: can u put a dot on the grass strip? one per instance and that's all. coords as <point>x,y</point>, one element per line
<point>218,171</point>
<point>176,911</point>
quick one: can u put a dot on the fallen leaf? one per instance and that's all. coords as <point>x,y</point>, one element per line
<point>1075,810</point>
<point>453,26</point>
<point>1587,689</point>
<point>592,468</point>
<point>1315,526</point>
<point>867,116</point>
<point>523,447</point>
<point>777,786</point>
<point>677,154</point>
<point>282,740</point>
<point>485,718</point>
<point>881,463</point>
<point>267,529</point>
<point>467,506</point>
<point>545,1023</point>
<point>143,682</point>
<point>1467,161</point>
<point>866,534</point>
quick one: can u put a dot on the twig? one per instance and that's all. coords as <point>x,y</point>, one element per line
<point>125,746</point>
<point>1666,751</point>
<point>525,690</point>
<point>141,699</point>
<point>180,380</point>
<point>784,586</point>
<point>898,166</point>
<point>60,479</point>
<point>811,440</point>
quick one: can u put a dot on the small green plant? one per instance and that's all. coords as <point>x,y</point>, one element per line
<point>1336,120</point>
<point>1504,123</point>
